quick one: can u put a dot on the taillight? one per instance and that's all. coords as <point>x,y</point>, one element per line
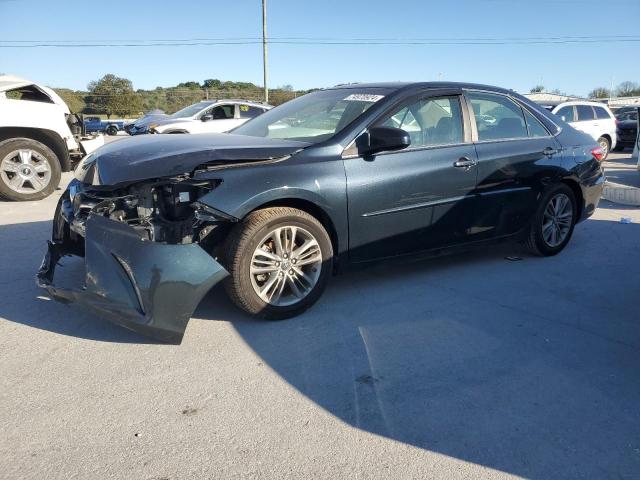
<point>598,153</point>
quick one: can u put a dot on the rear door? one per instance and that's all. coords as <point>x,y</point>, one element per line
<point>586,121</point>
<point>420,197</point>
<point>247,112</point>
<point>515,154</point>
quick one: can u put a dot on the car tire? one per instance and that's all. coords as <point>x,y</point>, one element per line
<point>112,130</point>
<point>29,170</point>
<point>546,236</point>
<point>605,145</point>
<point>256,264</point>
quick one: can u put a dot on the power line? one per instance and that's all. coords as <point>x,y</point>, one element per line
<point>308,41</point>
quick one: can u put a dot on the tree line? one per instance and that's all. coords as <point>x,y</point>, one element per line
<point>115,96</point>
<point>624,89</point>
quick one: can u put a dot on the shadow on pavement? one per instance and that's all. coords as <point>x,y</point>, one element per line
<point>528,367</point>
<point>22,247</point>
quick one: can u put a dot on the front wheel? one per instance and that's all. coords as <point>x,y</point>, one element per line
<point>606,146</point>
<point>280,260</point>
<point>552,225</point>
<point>29,170</point>
<point>112,130</point>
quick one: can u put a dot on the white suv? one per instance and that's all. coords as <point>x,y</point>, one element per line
<point>209,117</point>
<point>39,139</point>
<point>593,118</point>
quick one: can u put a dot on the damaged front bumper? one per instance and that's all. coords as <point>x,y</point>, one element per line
<point>149,287</point>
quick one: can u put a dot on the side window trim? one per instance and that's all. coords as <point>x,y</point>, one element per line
<point>525,111</point>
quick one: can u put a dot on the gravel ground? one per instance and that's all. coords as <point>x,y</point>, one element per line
<point>471,366</point>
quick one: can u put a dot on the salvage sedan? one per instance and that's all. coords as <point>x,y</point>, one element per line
<point>337,177</point>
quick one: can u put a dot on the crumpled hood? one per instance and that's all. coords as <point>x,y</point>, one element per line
<point>154,156</point>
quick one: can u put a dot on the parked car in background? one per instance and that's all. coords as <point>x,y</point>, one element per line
<point>141,125</point>
<point>97,125</point>
<point>336,177</point>
<point>39,139</point>
<point>215,116</point>
<point>592,118</point>
<point>627,129</point>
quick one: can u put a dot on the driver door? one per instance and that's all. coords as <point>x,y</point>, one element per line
<point>418,198</point>
<point>223,119</point>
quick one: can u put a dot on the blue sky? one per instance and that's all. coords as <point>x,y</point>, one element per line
<point>573,68</point>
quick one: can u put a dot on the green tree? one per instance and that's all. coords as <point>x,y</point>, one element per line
<point>190,85</point>
<point>114,96</point>
<point>537,89</point>
<point>212,83</point>
<point>599,92</point>
<point>74,100</point>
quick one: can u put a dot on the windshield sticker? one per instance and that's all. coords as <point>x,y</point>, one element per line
<point>244,108</point>
<point>363,97</point>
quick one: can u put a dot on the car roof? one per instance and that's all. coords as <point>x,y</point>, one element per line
<point>238,100</point>
<point>583,102</point>
<point>408,85</point>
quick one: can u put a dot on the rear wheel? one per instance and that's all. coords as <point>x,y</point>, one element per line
<point>29,170</point>
<point>553,222</point>
<point>112,130</point>
<point>280,260</point>
<point>605,145</point>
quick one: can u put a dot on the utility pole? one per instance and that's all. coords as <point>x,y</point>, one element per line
<point>264,50</point>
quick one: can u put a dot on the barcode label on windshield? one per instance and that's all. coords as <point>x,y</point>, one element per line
<point>363,97</point>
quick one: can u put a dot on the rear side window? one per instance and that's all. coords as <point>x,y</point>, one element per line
<point>497,117</point>
<point>247,111</point>
<point>536,129</point>
<point>585,112</point>
<point>429,121</point>
<point>566,113</point>
<point>602,113</point>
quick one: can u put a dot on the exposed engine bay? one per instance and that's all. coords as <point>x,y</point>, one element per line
<point>164,210</point>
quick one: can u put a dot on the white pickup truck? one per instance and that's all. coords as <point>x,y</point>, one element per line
<point>39,139</point>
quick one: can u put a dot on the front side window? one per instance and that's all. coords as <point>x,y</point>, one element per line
<point>536,129</point>
<point>585,113</point>
<point>314,117</point>
<point>248,111</point>
<point>497,117</point>
<point>221,112</point>
<point>566,113</point>
<point>601,113</point>
<point>429,121</point>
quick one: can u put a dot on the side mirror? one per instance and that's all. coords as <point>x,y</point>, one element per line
<point>382,139</point>
<point>207,117</point>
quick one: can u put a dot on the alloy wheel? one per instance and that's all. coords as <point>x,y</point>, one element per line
<point>286,266</point>
<point>25,171</point>
<point>605,147</point>
<point>557,220</point>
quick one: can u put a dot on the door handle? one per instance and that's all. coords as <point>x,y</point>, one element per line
<point>465,162</point>
<point>550,151</point>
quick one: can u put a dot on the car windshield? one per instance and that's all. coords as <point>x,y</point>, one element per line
<point>191,110</point>
<point>314,117</point>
